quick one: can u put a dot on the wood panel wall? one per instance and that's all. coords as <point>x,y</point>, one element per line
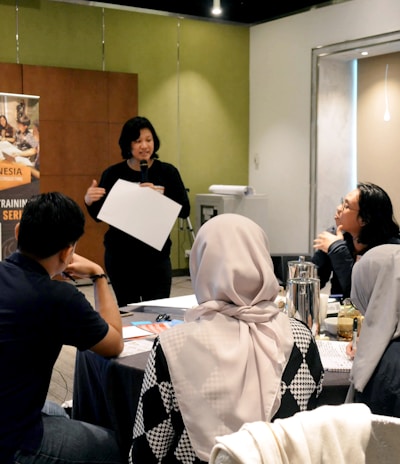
<point>378,141</point>
<point>81,114</point>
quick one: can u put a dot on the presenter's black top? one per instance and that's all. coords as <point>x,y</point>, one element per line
<point>160,173</point>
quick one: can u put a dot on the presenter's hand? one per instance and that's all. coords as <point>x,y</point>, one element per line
<point>147,184</point>
<point>94,193</point>
<point>157,188</point>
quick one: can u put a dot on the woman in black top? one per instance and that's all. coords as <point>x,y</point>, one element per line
<point>137,271</point>
<point>367,217</point>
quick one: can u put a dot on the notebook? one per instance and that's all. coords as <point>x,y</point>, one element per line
<point>333,355</point>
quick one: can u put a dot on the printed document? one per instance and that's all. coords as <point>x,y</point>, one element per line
<point>333,355</point>
<point>136,346</point>
<point>182,302</point>
<point>132,331</point>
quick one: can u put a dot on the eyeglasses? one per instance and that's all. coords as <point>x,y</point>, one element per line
<point>346,206</point>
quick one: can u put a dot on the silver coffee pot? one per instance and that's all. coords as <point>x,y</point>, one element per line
<point>302,293</point>
<point>301,268</point>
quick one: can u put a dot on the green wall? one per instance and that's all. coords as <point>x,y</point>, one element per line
<point>193,80</point>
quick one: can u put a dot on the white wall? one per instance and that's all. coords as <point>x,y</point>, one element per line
<point>280,106</point>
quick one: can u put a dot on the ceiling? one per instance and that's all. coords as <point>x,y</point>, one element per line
<point>244,12</point>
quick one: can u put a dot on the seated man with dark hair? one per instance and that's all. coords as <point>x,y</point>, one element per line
<point>38,316</point>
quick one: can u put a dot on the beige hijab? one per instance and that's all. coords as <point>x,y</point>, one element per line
<point>376,293</point>
<point>227,360</point>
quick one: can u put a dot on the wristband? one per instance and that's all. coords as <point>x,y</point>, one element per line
<point>93,278</point>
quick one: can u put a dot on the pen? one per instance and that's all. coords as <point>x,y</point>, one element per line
<point>355,333</point>
<point>69,276</point>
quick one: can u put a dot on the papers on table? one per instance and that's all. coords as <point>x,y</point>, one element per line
<point>133,331</point>
<point>132,347</point>
<point>147,328</point>
<point>141,212</point>
<point>158,327</point>
<point>183,302</point>
<point>134,342</point>
<point>333,355</point>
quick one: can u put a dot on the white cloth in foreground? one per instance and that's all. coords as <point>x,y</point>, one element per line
<point>376,293</point>
<point>328,435</point>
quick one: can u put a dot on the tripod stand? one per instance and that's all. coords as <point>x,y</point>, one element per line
<point>190,229</point>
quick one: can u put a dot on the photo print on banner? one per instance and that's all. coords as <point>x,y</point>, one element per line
<point>19,162</point>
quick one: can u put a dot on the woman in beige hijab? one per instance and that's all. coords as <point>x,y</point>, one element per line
<point>236,359</point>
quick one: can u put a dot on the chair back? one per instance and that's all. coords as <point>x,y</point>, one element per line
<point>384,443</point>
<point>328,434</point>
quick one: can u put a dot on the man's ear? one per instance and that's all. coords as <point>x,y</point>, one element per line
<point>65,254</point>
<point>16,230</point>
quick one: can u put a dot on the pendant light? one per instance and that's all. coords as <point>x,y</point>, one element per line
<point>386,116</point>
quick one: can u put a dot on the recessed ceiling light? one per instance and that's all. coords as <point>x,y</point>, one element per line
<point>364,53</point>
<point>216,9</point>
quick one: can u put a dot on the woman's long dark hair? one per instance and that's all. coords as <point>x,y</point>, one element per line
<point>376,210</point>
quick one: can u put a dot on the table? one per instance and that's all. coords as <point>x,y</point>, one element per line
<point>334,389</point>
<point>106,391</point>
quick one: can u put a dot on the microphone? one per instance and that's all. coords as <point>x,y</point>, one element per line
<point>143,171</point>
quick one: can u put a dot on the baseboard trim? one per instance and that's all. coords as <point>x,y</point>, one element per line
<point>180,272</point>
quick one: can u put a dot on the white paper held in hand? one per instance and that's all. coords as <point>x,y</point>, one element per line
<point>141,212</point>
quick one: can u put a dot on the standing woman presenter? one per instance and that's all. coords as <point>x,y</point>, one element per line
<point>137,271</point>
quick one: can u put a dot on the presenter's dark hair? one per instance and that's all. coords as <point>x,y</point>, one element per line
<point>49,223</point>
<point>131,132</point>
<point>376,210</point>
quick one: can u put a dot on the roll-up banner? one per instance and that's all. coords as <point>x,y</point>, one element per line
<point>19,162</point>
